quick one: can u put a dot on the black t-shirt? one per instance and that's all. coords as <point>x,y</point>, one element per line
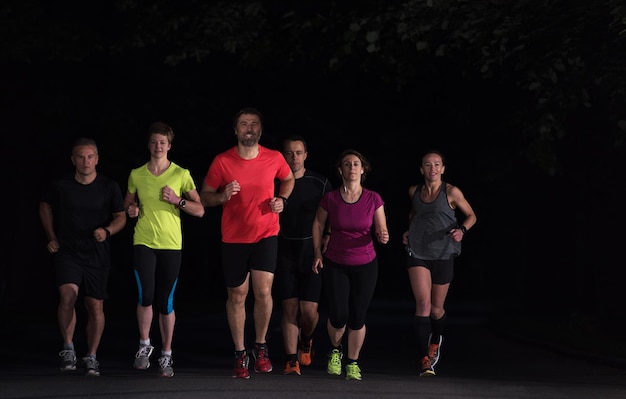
<point>79,209</point>
<point>297,218</point>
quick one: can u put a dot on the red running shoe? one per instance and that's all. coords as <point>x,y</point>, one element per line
<point>262,362</point>
<point>241,366</point>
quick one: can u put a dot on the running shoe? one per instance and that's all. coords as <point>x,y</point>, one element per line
<point>353,372</point>
<point>68,359</point>
<point>91,366</point>
<point>165,366</point>
<point>426,367</point>
<point>142,357</point>
<point>305,353</point>
<point>292,367</point>
<point>241,366</point>
<point>262,362</point>
<point>434,350</point>
<point>334,362</point>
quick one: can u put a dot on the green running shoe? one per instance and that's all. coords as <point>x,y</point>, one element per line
<point>353,372</point>
<point>334,362</point>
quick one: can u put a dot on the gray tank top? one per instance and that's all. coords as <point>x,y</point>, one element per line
<point>428,232</point>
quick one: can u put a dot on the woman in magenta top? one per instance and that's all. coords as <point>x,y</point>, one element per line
<point>355,215</point>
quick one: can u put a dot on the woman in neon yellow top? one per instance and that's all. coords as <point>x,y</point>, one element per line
<point>157,193</point>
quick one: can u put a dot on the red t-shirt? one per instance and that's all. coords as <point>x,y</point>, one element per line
<point>247,217</point>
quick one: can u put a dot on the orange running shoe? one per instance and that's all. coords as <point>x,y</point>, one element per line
<point>305,353</point>
<point>434,350</point>
<point>292,367</point>
<point>427,368</point>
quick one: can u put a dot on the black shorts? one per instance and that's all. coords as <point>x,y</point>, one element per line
<point>441,270</point>
<point>294,274</point>
<point>239,259</point>
<point>88,271</point>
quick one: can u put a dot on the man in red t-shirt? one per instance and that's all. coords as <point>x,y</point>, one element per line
<point>242,180</point>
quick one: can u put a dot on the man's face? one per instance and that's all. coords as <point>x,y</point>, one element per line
<point>248,129</point>
<point>85,158</point>
<point>295,155</point>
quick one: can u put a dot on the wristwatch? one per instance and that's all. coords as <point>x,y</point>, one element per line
<point>182,203</point>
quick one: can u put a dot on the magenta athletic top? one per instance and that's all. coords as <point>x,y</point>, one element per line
<point>351,239</point>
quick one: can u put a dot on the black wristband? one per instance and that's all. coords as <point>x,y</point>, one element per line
<point>108,232</point>
<point>284,199</point>
<point>463,229</point>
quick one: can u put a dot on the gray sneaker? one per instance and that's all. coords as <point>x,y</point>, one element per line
<point>165,366</point>
<point>142,357</point>
<point>68,360</point>
<point>91,366</point>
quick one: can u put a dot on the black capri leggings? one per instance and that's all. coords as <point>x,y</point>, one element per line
<point>349,291</point>
<point>156,272</point>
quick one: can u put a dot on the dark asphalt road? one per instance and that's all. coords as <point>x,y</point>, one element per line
<point>475,362</point>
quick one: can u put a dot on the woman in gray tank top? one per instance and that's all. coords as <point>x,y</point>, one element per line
<point>432,242</point>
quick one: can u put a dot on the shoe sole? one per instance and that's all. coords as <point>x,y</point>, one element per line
<point>290,370</point>
<point>263,372</point>
<point>67,368</point>
<point>428,373</point>
<point>140,367</point>
<point>92,373</point>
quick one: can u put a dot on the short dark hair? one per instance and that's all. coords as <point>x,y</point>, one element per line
<point>295,137</point>
<point>247,110</point>
<point>161,128</point>
<point>82,141</point>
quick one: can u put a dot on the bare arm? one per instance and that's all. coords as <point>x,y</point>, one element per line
<point>286,186</point>
<point>47,221</point>
<point>317,231</point>
<point>457,201</point>
<point>130,204</point>
<point>117,224</point>
<point>210,197</point>
<point>380,225</point>
<point>405,235</point>
<point>284,191</point>
<point>193,204</point>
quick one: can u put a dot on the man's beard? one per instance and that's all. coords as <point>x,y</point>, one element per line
<point>249,142</point>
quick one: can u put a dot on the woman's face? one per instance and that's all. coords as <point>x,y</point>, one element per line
<point>432,167</point>
<point>158,145</point>
<point>351,168</point>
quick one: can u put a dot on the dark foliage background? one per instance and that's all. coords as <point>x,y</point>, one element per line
<point>525,98</point>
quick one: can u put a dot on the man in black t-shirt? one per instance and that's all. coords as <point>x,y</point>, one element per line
<point>297,287</point>
<point>79,212</point>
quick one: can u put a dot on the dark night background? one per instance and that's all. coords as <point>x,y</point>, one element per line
<point>526,99</point>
